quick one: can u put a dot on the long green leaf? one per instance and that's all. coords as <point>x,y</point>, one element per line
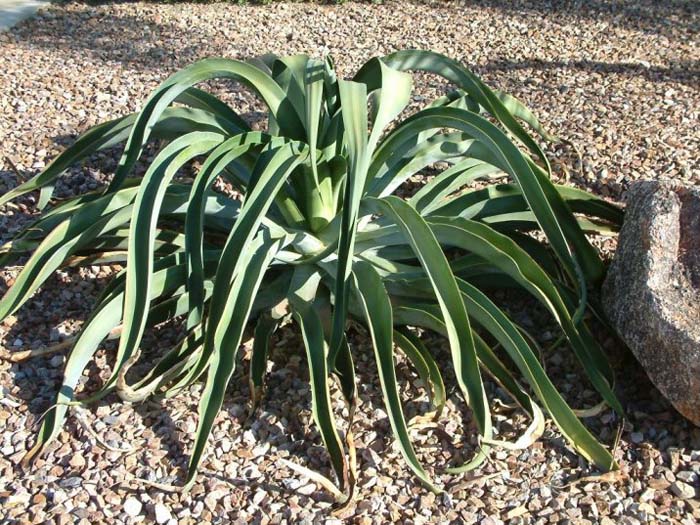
<point>435,264</point>
<point>302,291</point>
<point>451,70</point>
<point>264,329</point>
<point>141,238</point>
<point>353,97</point>
<point>512,260</point>
<point>487,314</point>
<point>555,218</point>
<point>203,70</point>
<point>104,319</point>
<point>426,366</point>
<point>227,338</point>
<point>272,170</point>
<point>377,310</point>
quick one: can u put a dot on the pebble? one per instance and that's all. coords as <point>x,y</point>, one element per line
<point>132,506</point>
<point>77,461</point>
<point>688,476</point>
<point>56,361</point>
<point>71,483</point>
<point>637,437</point>
<point>307,489</point>
<point>682,490</point>
<point>162,514</point>
<point>111,419</point>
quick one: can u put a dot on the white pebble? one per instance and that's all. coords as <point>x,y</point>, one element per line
<point>307,490</point>
<point>162,513</point>
<point>132,507</point>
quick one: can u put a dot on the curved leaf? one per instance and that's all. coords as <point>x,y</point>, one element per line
<point>459,333</point>
<point>377,310</point>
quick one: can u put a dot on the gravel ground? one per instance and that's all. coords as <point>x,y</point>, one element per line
<point>618,79</point>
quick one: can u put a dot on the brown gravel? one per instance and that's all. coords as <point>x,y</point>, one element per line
<point>619,79</point>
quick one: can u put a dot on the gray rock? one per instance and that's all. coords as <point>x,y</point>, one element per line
<point>688,476</point>
<point>683,490</point>
<point>652,291</point>
<point>637,437</point>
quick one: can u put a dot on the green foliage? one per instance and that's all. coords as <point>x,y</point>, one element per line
<point>315,235</point>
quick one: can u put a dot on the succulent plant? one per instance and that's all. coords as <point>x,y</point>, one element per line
<point>310,230</point>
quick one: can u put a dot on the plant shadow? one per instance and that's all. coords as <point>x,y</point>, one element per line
<point>684,71</point>
<point>674,19</point>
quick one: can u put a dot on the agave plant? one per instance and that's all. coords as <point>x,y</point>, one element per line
<point>312,231</point>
